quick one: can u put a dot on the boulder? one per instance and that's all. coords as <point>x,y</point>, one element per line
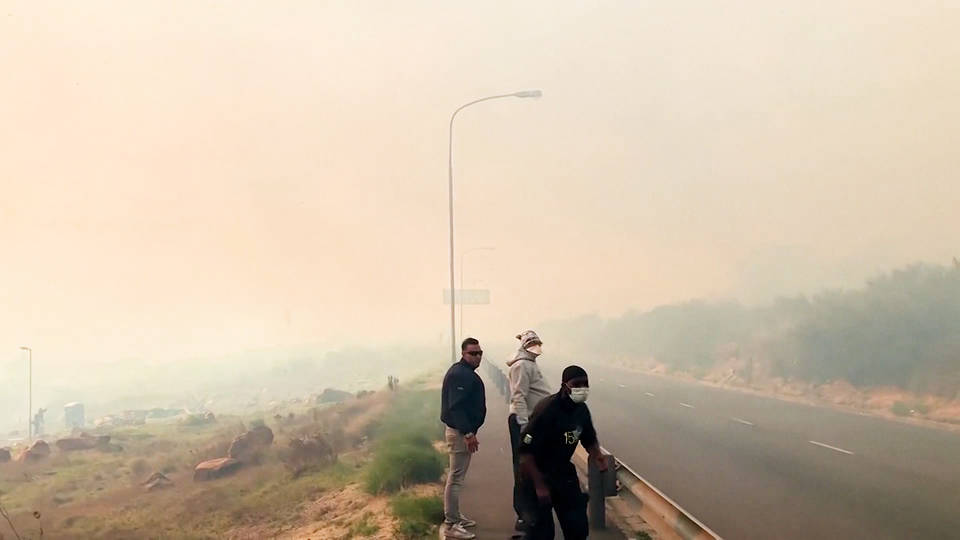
<point>249,443</point>
<point>157,481</point>
<point>4,455</point>
<point>332,395</point>
<point>215,468</point>
<point>313,450</point>
<point>37,451</point>
<point>74,444</point>
<point>84,442</point>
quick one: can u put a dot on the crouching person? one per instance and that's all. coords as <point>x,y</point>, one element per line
<point>549,480</point>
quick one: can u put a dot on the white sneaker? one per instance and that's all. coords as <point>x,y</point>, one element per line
<point>466,522</point>
<point>454,530</point>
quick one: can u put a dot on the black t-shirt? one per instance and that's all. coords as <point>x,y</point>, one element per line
<point>556,426</point>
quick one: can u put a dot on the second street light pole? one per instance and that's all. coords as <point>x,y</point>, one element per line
<point>453,294</point>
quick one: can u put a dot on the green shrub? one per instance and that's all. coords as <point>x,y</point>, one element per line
<point>417,515</point>
<point>412,412</point>
<point>900,409</point>
<point>922,408</point>
<point>364,527</point>
<point>404,453</point>
<point>403,460</point>
<point>414,530</point>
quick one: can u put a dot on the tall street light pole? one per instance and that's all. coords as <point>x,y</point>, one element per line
<point>462,255</point>
<point>29,392</point>
<point>453,294</point>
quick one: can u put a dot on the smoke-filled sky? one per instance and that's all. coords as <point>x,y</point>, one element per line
<point>189,178</point>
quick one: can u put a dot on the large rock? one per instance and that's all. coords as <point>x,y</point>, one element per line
<point>332,395</point>
<point>38,450</point>
<point>305,452</point>
<point>157,481</point>
<point>84,442</point>
<point>4,455</point>
<point>215,468</point>
<point>247,444</point>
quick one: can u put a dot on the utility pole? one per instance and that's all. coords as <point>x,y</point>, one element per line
<point>453,292</point>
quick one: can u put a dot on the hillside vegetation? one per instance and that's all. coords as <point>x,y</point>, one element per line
<point>901,330</point>
<point>281,491</point>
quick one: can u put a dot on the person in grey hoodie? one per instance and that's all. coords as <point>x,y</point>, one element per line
<point>527,388</point>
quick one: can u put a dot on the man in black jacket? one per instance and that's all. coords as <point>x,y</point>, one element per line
<point>548,479</point>
<point>463,408</point>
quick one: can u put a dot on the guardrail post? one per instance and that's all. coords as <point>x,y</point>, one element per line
<point>600,485</point>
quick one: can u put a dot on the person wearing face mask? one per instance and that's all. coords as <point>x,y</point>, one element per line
<point>527,388</point>
<point>548,478</point>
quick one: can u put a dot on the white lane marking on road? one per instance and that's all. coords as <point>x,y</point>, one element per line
<point>742,421</point>
<point>687,405</point>
<point>622,385</point>
<point>649,394</point>
<point>834,448</point>
<point>602,380</point>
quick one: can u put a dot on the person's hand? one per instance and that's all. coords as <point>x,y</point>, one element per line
<point>543,494</point>
<point>472,444</point>
<point>602,461</point>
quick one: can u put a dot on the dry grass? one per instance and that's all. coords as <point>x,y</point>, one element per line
<point>99,495</point>
<point>341,514</point>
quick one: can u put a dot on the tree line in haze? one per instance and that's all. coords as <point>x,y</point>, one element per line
<point>901,329</point>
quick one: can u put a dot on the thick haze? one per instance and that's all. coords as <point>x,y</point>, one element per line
<point>182,179</point>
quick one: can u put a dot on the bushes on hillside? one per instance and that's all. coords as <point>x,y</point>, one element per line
<point>900,409</point>
<point>404,454</point>
<point>403,460</point>
<point>901,329</point>
<point>417,515</point>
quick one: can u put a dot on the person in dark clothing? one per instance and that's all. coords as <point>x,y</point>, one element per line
<point>548,479</point>
<point>463,408</point>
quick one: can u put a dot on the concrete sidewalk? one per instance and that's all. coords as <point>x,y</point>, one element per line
<point>488,492</point>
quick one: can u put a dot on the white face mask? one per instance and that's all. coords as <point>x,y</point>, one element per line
<point>535,349</point>
<point>579,395</point>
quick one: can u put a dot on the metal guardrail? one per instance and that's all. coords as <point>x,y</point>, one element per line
<point>639,497</point>
<point>634,495</point>
<point>499,379</point>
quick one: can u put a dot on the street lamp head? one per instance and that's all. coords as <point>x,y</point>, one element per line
<point>529,93</point>
<point>24,348</point>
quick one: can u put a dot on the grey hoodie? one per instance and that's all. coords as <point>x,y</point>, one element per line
<point>527,385</point>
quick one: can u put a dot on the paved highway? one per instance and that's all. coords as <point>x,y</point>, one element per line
<point>751,467</point>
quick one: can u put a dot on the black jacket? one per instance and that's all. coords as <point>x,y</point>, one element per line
<point>556,426</point>
<point>463,404</point>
